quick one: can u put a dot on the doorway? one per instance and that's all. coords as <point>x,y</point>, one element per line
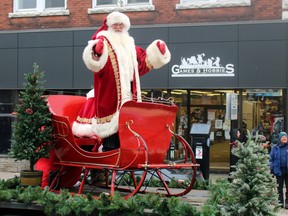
<point>219,137</point>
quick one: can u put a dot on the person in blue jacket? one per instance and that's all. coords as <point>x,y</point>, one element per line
<point>279,166</point>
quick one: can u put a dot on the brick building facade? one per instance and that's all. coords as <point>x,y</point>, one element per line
<point>78,14</point>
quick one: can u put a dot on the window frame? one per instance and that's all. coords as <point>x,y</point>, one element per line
<point>196,4</point>
<point>122,6</point>
<point>40,6</point>
<point>39,10</point>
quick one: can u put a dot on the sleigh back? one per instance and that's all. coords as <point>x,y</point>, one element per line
<point>151,121</point>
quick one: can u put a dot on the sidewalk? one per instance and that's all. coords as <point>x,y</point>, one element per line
<point>195,197</point>
<point>8,175</point>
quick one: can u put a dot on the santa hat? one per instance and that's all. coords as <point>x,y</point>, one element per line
<point>112,18</point>
<point>117,17</point>
<point>104,27</point>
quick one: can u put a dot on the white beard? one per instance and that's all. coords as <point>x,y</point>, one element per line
<point>124,47</point>
<point>120,38</point>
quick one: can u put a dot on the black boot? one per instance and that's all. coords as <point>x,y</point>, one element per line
<point>281,201</point>
<point>286,204</point>
<point>111,142</point>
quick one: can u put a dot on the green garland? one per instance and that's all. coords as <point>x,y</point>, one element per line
<point>65,204</point>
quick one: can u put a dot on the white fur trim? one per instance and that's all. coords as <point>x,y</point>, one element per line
<point>155,57</point>
<point>100,149</point>
<point>90,94</point>
<point>92,64</point>
<point>82,130</point>
<point>127,65</point>
<point>106,129</point>
<point>117,17</point>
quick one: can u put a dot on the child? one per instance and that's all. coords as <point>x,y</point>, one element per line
<point>279,166</point>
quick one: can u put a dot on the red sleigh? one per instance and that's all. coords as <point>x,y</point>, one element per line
<point>145,131</point>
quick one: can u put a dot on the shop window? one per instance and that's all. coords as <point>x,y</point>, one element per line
<point>200,106</point>
<point>263,112</point>
<point>30,8</point>
<point>107,6</point>
<point>6,119</point>
<point>192,4</point>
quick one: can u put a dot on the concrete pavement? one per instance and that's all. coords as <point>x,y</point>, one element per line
<point>8,175</point>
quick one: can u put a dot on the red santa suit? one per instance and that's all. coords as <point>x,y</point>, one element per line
<point>116,73</point>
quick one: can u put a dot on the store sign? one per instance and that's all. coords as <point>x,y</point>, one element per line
<point>199,66</point>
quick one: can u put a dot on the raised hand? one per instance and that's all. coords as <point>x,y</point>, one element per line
<point>98,48</point>
<point>162,47</point>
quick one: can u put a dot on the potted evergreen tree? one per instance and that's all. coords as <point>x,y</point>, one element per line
<point>31,137</point>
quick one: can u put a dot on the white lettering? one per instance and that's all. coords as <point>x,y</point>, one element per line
<point>175,69</point>
<point>197,66</point>
<point>229,68</point>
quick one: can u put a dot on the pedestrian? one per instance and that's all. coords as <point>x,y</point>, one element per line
<point>279,165</point>
<point>117,64</point>
<point>235,139</point>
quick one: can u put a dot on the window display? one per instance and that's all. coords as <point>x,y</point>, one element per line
<point>263,112</point>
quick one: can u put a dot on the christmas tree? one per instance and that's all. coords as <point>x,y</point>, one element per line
<point>251,189</point>
<point>31,138</point>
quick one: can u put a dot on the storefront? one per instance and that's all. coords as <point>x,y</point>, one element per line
<point>261,110</point>
<point>208,61</point>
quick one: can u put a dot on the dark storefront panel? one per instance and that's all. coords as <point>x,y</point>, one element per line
<point>262,64</point>
<point>148,35</point>
<point>156,79</point>
<point>267,31</point>
<point>52,51</point>
<point>81,38</point>
<point>8,69</point>
<point>8,40</point>
<point>56,62</point>
<point>8,61</point>
<point>46,39</point>
<point>226,53</point>
<point>198,34</point>
<point>83,77</point>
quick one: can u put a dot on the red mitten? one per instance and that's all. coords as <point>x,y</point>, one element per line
<point>98,48</point>
<point>162,47</point>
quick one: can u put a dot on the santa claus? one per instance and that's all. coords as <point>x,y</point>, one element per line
<point>117,64</point>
